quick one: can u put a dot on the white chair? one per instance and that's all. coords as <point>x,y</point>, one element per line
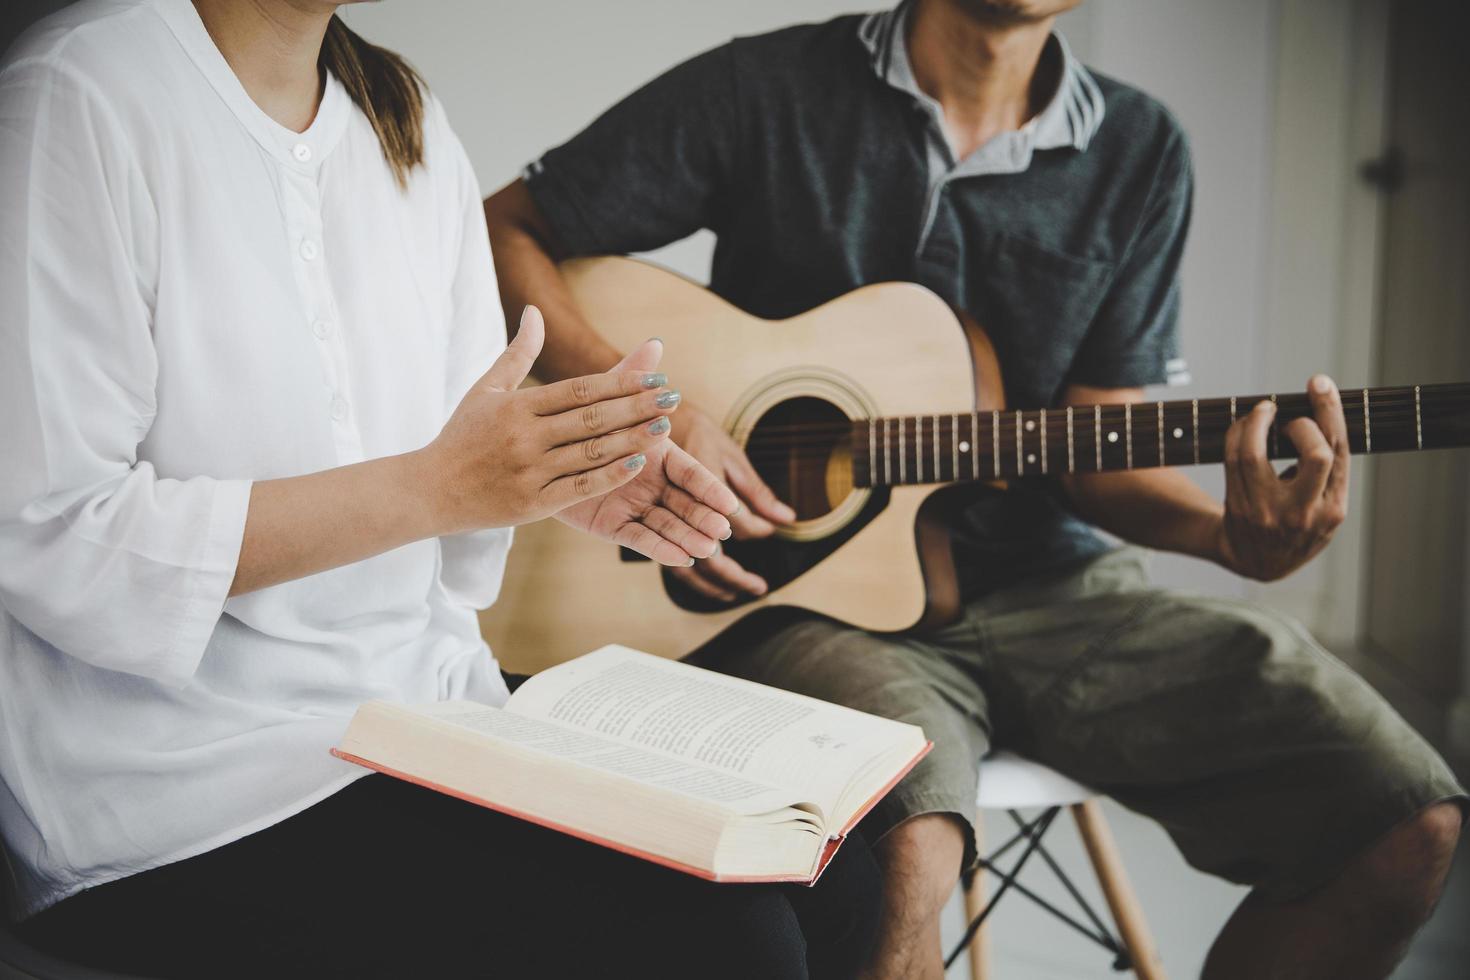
<point>1011,783</point>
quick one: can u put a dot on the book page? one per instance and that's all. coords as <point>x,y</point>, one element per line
<point>722,788</point>
<point>738,726</point>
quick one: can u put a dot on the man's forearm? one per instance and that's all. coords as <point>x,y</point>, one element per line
<point>527,271</point>
<point>1161,509</point>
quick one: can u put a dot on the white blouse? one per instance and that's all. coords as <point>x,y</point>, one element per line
<point>193,297</point>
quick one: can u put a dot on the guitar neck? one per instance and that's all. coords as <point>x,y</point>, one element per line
<point>1101,438</point>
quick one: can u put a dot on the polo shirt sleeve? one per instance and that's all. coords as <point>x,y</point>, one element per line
<point>1134,338</point>
<point>651,170</point>
<point>100,555</point>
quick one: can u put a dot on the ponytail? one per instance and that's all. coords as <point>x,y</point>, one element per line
<point>387,90</point>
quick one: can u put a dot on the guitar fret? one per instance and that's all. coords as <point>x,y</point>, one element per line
<point>1128,432</point>
<point>995,440</point>
<point>887,457</point>
<point>1097,434</point>
<point>1194,414</point>
<point>919,448</point>
<point>902,465</point>
<point>1043,442</point>
<point>954,445</point>
<point>1020,464</point>
<point>936,449</point>
<point>872,454</point>
<point>1071,452</point>
<point>1418,425</point>
<point>975,445</point>
<point>1161,434</point>
<point>1367,425</point>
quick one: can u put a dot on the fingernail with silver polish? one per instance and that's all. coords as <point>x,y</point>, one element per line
<point>656,380</point>
<point>658,427</point>
<point>636,461</point>
<point>667,399</point>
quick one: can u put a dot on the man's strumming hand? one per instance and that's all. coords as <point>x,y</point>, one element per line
<point>721,577</point>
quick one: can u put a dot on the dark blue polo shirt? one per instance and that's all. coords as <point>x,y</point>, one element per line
<point>819,172</point>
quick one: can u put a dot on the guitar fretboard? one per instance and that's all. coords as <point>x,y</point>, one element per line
<point>1099,438</point>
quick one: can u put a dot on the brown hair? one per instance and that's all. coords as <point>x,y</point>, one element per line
<point>387,90</point>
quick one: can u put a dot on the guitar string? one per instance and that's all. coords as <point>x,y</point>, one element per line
<point>820,437</point>
<point>1208,446</point>
<point>816,436</point>
<point>1207,414</point>
<point>1386,406</point>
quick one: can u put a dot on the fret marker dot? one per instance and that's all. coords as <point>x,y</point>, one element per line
<point>964,446</point>
<point>1030,425</point>
<point>1112,437</point>
<point>1178,433</point>
<point>1030,457</point>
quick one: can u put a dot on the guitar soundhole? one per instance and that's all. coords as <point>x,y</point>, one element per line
<point>802,448</point>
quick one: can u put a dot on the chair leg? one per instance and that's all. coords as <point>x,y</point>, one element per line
<point>975,901</point>
<point>1119,893</point>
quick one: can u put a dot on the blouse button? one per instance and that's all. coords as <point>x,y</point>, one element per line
<point>301,152</point>
<point>308,249</point>
<point>322,329</point>
<point>339,408</point>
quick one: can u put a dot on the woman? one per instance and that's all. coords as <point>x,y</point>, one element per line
<point>244,281</point>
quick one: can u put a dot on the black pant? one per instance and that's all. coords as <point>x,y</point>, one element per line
<point>385,879</point>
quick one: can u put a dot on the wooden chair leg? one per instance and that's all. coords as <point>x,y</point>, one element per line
<point>1119,893</point>
<point>974,902</point>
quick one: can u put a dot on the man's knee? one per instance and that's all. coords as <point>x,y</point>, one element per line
<point>1405,870</point>
<point>922,858</point>
<point>1422,846</point>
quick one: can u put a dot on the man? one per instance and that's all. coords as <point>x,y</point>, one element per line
<point>958,144</point>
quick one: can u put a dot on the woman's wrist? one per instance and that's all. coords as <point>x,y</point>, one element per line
<point>425,487</point>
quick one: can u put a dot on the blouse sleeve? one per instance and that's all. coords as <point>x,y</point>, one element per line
<point>100,556</point>
<point>473,563</point>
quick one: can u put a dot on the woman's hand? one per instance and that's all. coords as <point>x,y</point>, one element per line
<point>673,511</point>
<point>509,457</point>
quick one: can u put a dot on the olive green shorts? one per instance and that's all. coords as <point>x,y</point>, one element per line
<point>1267,760</point>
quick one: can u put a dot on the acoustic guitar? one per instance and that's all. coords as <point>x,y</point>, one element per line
<point>873,416</point>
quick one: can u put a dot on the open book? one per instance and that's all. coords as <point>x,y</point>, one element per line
<point>715,776</point>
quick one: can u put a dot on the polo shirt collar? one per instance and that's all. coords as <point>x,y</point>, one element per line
<point>1070,118</point>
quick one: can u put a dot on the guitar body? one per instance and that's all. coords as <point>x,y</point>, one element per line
<point>873,557</point>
